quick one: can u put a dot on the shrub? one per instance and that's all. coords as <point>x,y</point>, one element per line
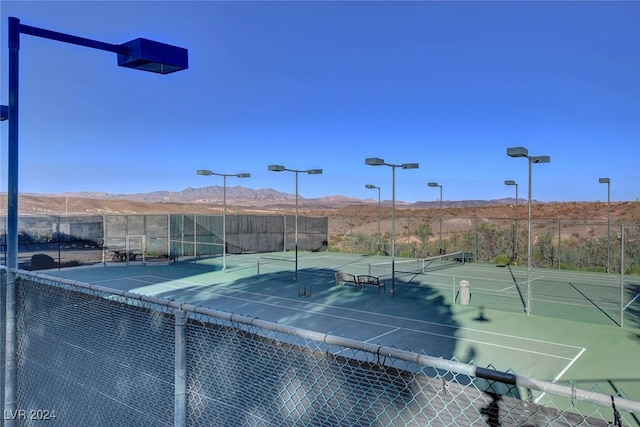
<point>502,260</point>
<point>634,269</point>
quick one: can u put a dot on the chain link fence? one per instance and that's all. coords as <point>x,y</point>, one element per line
<point>88,355</point>
<point>567,244</point>
<point>46,242</point>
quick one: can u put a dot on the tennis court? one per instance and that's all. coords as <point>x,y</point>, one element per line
<point>423,315</point>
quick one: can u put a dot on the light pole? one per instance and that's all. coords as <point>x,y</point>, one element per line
<point>608,182</point>
<point>375,161</point>
<point>523,152</point>
<point>435,184</point>
<point>224,209</point>
<point>371,187</point>
<point>280,168</point>
<point>141,54</point>
<point>515,244</point>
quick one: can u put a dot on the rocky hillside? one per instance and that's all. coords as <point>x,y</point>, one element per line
<point>344,217</point>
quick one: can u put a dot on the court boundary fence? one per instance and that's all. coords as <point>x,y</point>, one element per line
<point>91,355</point>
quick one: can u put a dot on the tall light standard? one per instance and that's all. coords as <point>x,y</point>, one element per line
<point>374,161</point>
<point>224,209</point>
<point>608,182</point>
<point>280,168</point>
<point>523,152</point>
<point>515,244</point>
<point>371,187</point>
<point>141,54</point>
<point>435,184</point>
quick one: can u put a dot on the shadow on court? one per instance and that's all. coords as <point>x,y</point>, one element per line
<point>417,318</point>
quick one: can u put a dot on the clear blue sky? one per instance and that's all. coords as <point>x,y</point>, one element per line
<point>449,85</point>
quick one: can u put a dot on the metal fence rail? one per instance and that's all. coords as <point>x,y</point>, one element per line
<point>95,356</point>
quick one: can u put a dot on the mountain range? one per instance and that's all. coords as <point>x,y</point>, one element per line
<point>265,197</point>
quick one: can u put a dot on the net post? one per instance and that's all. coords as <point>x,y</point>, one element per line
<point>453,290</point>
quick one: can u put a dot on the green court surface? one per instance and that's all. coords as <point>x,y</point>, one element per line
<point>573,333</point>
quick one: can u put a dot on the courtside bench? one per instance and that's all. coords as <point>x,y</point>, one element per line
<point>464,257</point>
<point>366,280</point>
<point>346,278</point>
<point>121,255</point>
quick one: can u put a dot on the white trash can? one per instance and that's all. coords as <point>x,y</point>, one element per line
<point>465,292</point>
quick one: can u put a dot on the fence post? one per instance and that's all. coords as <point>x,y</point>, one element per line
<point>11,347</point>
<point>180,415</point>
<point>559,242</point>
<point>622,275</point>
<point>475,237</point>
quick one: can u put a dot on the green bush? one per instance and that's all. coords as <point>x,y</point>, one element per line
<point>634,269</point>
<point>567,266</point>
<point>502,260</point>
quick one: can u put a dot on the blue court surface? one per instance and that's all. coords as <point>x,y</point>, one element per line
<point>417,312</point>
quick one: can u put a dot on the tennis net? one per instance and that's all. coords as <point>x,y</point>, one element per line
<point>266,264</point>
<point>416,266</point>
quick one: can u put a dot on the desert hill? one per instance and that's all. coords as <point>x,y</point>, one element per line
<point>346,215</point>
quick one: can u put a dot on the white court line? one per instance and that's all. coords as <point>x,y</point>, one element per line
<point>381,335</point>
<point>221,291</point>
<point>566,368</point>
<point>371,339</point>
<point>533,279</point>
<point>631,302</point>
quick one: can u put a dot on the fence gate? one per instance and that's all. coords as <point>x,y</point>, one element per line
<point>135,247</point>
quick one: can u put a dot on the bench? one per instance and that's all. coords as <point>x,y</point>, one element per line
<point>122,255</point>
<point>350,279</point>
<point>464,257</point>
<point>364,280</point>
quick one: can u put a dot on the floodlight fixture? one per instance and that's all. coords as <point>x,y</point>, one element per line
<point>517,152</point>
<point>374,187</point>
<point>515,235</point>
<point>608,182</point>
<point>141,54</point>
<point>523,152</point>
<point>280,168</point>
<point>4,112</point>
<point>410,165</point>
<point>540,159</point>
<point>207,172</point>
<point>374,161</point>
<point>435,184</point>
<point>148,55</point>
